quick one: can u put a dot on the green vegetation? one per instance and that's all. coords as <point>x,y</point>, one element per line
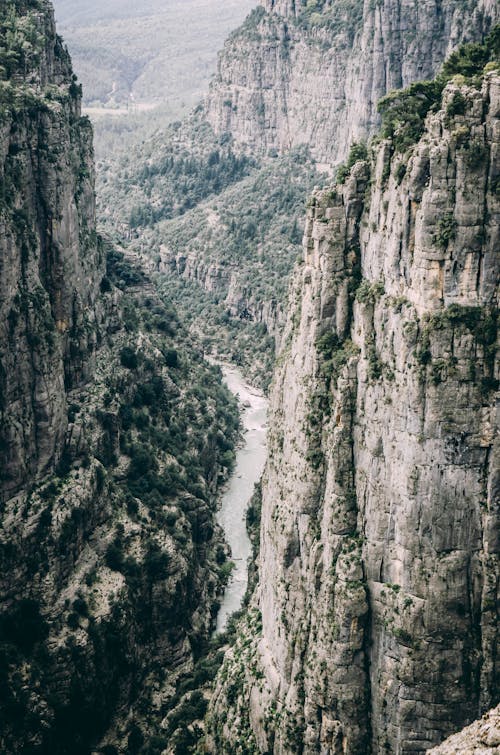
<point>192,708</point>
<point>248,30</point>
<point>254,225</point>
<point>482,324</point>
<point>457,106</point>
<point>341,17</point>
<point>185,181</point>
<point>121,272</point>
<point>251,233</point>
<point>165,177</point>
<point>471,59</point>
<point>128,358</point>
<point>403,112</point>
<point>21,39</point>
<point>231,338</point>
<point>400,173</point>
<point>160,431</point>
<point>334,354</point>
<point>446,230</point>
<point>237,668</point>
<point>185,192</point>
<point>23,627</point>
<point>358,151</point>
<point>369,293</point>
<point>193,421</point>
<point>22,48</point>
<point>253,519</point>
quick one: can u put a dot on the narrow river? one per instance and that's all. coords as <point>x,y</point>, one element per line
<point>250,460</point>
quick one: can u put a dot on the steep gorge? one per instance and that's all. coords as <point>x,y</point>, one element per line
<point>373,627</point>
<point>296,85</point>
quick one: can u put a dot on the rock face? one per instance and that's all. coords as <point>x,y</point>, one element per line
<point>226,285</point>
<point>50,261</point>
<point>294,75</point>
<point>373,626</point>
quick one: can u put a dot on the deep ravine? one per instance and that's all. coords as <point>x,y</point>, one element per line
<point>370,621</point>
<point>108,545</point>
<point>250,460</point>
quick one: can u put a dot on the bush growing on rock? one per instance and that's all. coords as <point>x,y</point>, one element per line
<point>129,358</point>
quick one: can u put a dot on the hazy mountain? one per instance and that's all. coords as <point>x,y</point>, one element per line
<point>159,51</point>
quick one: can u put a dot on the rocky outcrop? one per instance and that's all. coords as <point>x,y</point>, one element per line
<point>226,286</point>
<point>313,75</point>
<point>373,627</point>
<point>298,74</point>
<point>111,568</point>
<point>295,74</point>
<point>481,738</point>
<point>50,261</point>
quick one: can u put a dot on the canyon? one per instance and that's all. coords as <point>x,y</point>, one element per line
<point>370,619</point>
<point>296,86</point>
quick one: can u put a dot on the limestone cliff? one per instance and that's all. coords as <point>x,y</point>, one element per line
<point>211,200</point>
<point>296,77</point>
<point>312,73</point>
<point>373,628</point>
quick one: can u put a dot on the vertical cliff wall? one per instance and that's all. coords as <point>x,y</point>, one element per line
<point>374,624</point>
<point>50,263</point>
<point>298,73</point>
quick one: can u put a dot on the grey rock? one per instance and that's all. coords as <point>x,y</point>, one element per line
<point>50,261</point>
<point>379,564</point>
<point>283,81</point>
<point>481,738</point>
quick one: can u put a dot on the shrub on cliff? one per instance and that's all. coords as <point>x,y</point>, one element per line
<point>404,111</point>
<point>23,626</point>
<point>357,152</point>
<point>128,358</point>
